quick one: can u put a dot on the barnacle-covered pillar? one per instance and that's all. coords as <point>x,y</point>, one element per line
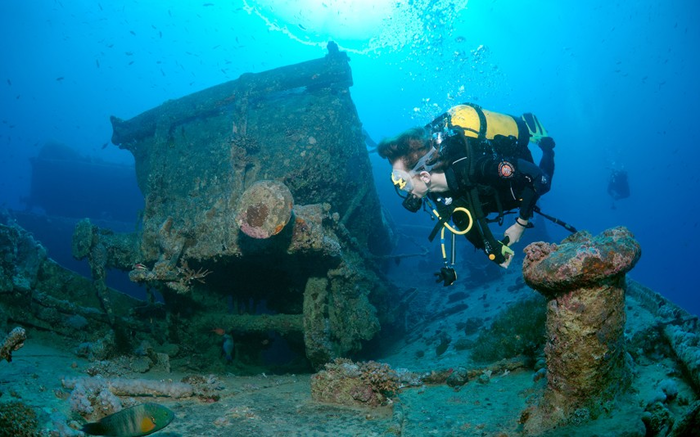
<point>584,280</point>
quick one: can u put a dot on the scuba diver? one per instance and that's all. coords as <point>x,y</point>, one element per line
<point>469,163</point>
<point>618,186</point>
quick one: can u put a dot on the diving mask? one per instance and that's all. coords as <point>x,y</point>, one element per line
<point>403,180</point>
<point>403,184</point>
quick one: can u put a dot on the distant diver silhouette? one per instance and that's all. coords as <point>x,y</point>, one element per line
<point>618,186</point>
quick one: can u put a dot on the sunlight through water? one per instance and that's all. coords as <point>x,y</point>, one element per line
<point>359,26</point>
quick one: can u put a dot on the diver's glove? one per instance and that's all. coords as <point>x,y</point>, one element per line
<point>446,275</point>
<point>506,252</point>
<point>546,143</point>
<point>515,232</point>
<point>506,263</point>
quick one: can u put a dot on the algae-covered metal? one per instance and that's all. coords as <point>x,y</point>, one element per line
<point>297,125</point>
<point>259,199</point>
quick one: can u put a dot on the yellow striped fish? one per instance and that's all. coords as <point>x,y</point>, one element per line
<point>136,421</point>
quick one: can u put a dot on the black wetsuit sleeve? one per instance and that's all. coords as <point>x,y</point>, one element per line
<point>534,185</point>
<point>527,204</point>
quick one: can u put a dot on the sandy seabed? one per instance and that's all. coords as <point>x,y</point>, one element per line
<point>281,405</point>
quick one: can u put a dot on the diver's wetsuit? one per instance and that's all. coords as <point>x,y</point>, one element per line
<point>497,193</point>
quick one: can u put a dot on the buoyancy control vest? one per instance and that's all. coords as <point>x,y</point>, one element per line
<point>483,133</point>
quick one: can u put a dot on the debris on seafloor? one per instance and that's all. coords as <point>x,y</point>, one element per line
<point>366,384</point>
<point>40,295</point>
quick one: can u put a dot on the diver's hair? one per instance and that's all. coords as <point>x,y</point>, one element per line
<point>408,146</point>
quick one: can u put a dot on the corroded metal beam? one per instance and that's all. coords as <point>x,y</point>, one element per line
<point>281,323</point>
<point>331,71</point>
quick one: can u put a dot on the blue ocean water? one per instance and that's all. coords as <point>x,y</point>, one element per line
<point>615,83</point>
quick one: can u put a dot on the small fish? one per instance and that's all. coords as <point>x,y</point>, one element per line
<point>301,27</point>
<point>132,32</point>
<point>228,347</point>
<point>9,82</point>
<point>218,331</point>
<point>58,79</point>
<point>136,421</point>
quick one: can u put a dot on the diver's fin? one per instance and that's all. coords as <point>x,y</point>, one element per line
<point>537,131</point>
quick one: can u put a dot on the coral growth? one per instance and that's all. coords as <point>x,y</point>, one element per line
<point>180,279</point>
<point>186,276</point>
<point>583,280</point>
<point>580,260</point>
<point>101,396</point>
<point>131,387</point>
<point>98,350</point>
<point>17,420</point>
<point>684,342</point>
<point>343,382</point>
<point>21,258</point>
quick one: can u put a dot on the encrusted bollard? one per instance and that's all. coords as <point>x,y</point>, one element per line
<point>583,279</point>
<point>264,209</point>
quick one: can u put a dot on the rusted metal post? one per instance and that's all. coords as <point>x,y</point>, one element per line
<point>584,280</point>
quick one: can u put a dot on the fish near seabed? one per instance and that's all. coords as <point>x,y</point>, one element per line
<point>136,421</point>
<point>228,347</point>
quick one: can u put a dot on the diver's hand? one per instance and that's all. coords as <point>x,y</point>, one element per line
<point>515,232</point>
<point>546,143</point>
<point>507,252</point>
<point>506,263</point>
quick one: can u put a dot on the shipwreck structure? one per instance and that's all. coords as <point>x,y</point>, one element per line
<point>259,213</point>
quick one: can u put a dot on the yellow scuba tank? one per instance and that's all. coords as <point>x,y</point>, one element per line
<point>476,122</point>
